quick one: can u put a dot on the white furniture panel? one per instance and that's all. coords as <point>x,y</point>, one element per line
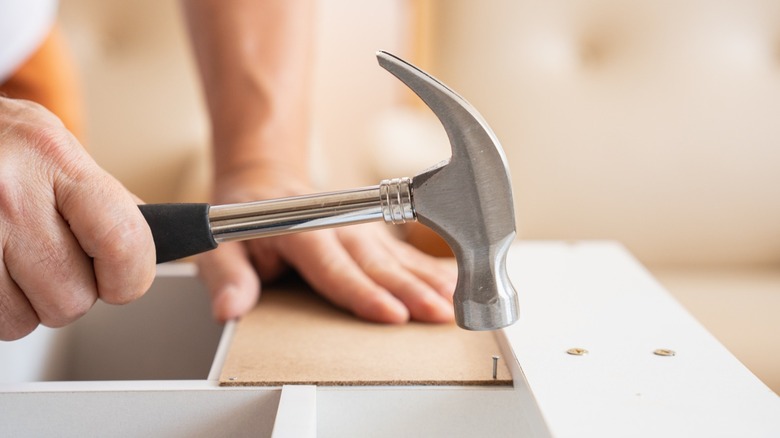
<point>589,296</point>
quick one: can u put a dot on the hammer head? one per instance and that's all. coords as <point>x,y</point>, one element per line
<point>468,201</point>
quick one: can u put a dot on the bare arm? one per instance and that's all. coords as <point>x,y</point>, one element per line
<point>255,60</point>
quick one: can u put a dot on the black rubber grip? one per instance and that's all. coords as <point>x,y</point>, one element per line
<point>179,230</point>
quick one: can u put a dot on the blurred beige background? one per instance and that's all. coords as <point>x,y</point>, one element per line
<point>651,123</point>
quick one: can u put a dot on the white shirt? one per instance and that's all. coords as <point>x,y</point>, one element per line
<point>24,24</point>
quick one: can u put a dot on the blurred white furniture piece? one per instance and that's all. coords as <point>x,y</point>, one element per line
<point>601,350</point>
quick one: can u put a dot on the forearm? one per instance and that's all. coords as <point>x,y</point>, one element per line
<point>255,60</point>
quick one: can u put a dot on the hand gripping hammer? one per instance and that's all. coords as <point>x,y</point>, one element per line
<point>466,199</point>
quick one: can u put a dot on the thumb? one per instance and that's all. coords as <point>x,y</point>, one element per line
<point>231,280</point>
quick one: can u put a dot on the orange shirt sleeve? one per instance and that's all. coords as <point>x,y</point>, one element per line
<point>49,78</point>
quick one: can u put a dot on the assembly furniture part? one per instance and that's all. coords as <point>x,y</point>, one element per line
<point>296,416</point>
<point>619,388</point>
<point>295,337</point>
<point>201,409</point>
<point>607,352</point>
<point>116,409</point>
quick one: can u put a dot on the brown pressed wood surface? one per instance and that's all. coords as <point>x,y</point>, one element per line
<point>294,336</point>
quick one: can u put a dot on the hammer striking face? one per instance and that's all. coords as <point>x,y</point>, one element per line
<point>468,201</point>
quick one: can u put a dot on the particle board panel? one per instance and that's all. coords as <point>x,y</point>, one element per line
<point>294,336</point>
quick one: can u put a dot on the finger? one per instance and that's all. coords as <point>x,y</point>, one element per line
<point>266,259</point>
<point>322,260</point>
<point>231,280</point>
<point>40,252</point>
<point>441,275</point>
<point>110,228</point>
<point>17,317</point>
<point>53,271</point>
<point>381,265</point>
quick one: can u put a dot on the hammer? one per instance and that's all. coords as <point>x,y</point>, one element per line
<point>466,199</point>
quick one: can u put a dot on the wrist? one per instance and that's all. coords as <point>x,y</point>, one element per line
<point>259,180</point>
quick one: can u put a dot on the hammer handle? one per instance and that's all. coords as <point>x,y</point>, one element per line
<point>182,230</point>
<point>291,215</point>
<point>179,230</point>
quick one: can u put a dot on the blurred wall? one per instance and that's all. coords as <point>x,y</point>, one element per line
<point>146,118</point>
<point>653,123</point>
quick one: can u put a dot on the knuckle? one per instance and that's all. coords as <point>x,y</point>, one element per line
<point>62,262</point>
<point>21,112</point>
<point>375,268</point>
<point>18,327</point>
<point>63,312</point>
<point>125,240</point>
<point>54,275</point>
<point>12,205</point>
<point>127,256</point>
<point>125,292</point>
<point>35,134</point>
<point>14,333</point>
<point>331,267</point>
<point>122,296</point>
<point>54,260</point>
<point>54,144</point>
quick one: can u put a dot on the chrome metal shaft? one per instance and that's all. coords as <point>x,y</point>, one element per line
<point>390,201</point>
